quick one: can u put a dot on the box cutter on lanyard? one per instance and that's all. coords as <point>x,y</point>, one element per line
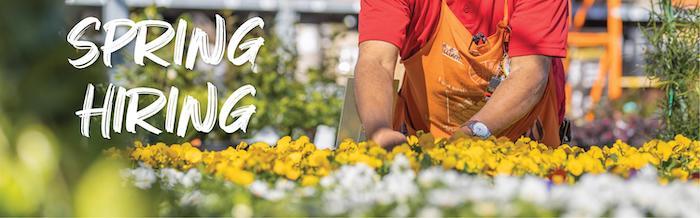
<point>504,66</point>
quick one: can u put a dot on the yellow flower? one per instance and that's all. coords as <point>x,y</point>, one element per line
<point>402,149</point>
<point>192,155</point>
<point>294,157</point>
<point>412,140</point>
<point>284,141</point>
<point>292,174</point>
<point>529,165</point>
<point>241,146</point>
<point>595,152</point>
<point>609,163</point>
<point>505,167</point>
<point>238,176</point>
<point>665,149</point>
<point>318,158</point>
<point>279,167</point>
<point>558,179</point>
<point>574,167</point>
<point>300,160</point>
<point>559,156</point>
<point>449,162</point>
<point>427,141</point>
<point>308,148</point>
<point>309,180</point>
<point>377,151</point>
<point>679,173</point>
<point>682,140</point>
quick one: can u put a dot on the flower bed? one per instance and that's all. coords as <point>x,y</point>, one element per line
<point>424,177</point>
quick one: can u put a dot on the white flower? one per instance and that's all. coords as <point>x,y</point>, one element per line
<point>263,190</point>
<point>582,202</point>
<point>647,173</point>
<point>242,211</point>
<point>443,197</point>
<point>430,212</point>
<point>485,208</point>
<point>192,177</point>
<point>642,193</point>
<point>143,176</point>
<point>505,188</point>
<point>666,203</point>
<point>559,196</point>
<point>274,195</point>
<point>400,163</point>
<point>284,185</point>
<point>171,74</point>
<point>428,177</point>
<point>627,211</point>
<point>401,210</point>
<point>355,190</point>
<point>451,178</point>
<point>399,185</point>
<point>533,190</point>
<point>170,177</point>
<point>307,191</point>
<point>192,198</point>
<point>327,181</point>
<point>258,188</point>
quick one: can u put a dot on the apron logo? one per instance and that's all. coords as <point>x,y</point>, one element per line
<point>451,52</point>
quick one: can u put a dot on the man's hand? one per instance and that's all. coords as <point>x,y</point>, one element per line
<point>374,92</point>
<point>465,129</point>
<point>388,138</point>
<point>517,95</point>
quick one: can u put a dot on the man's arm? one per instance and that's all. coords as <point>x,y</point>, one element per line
<point>374,77</point>
<point>517,95</point>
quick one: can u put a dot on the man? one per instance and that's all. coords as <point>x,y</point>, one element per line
<point>481,67</point>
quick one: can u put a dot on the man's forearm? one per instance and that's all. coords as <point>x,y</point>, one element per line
<point>374,94</point>
<point>517,95</point>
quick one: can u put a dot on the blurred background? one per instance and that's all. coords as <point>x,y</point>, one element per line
<point>48,168</point>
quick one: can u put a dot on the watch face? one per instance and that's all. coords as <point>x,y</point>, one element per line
<point>480,130</point>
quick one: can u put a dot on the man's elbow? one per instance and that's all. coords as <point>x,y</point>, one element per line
<point>535,85</point>
<point>372,69</point>
<point>541,84</point>
<point>532,72</point>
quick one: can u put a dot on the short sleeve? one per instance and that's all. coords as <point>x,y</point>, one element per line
<point>539,27</point>
<point>384,20</point>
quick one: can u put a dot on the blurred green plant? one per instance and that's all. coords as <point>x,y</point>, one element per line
<point>673,57</point>
<point>43,157</point>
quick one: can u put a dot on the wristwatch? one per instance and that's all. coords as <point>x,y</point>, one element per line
<point>478,129</point>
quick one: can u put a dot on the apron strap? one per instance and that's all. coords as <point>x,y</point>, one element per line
<point>505,12</point>
<point>506,27</point>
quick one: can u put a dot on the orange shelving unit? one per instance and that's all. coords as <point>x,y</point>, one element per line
<point>610,68</point>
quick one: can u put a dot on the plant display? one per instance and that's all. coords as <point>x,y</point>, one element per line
<point>633,129</point>
<point>282,101</point>
<point>673,58</point>
<point>424,177</point>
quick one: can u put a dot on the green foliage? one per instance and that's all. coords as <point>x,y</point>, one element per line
<point>673,57</point>
<point>282,101</point>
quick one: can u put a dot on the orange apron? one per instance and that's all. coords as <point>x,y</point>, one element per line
<point>446,82</point>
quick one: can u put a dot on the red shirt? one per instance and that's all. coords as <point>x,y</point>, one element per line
<point>539,27</point>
